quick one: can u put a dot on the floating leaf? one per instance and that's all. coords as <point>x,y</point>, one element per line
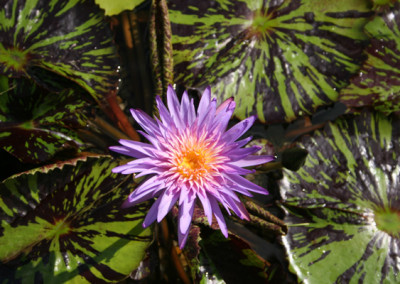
<point>279,59</point>
<point>344,204</point>
<point>378,83</point>
<point>64,223</point>
<point>117,6</point>
<point>68,37</point>
<point>36,124</point>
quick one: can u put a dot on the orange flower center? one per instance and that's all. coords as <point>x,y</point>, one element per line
<point>193,164</point>
<point>195,158</point>
<point>193,161</point>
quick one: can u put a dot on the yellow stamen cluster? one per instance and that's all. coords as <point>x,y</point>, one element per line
<point>194,164</point>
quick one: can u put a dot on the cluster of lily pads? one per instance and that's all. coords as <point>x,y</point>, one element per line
<point>286,61</point>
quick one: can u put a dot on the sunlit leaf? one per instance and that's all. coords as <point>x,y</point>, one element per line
<point>64,223</point>
<point>378,83</point>
<point>279,59</point>
<point>68,37</point>
<point>36,124</point>
<point>115,7</point>
<point>344,204</point>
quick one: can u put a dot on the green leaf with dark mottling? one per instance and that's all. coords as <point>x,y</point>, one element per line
<point>344,203</point>
<point>278,59</point>
<point>64,223</point>
<point>36,124</point>
<point>115,7</point>
<point>378,83</point>
<point>67,37</point>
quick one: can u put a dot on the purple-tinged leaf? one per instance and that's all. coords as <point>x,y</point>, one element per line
<point>378,83</point>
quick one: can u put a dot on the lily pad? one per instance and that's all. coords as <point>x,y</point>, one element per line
<point>279,59</point>
<point>64,223</point>
<point>344,203</point>
<point>378,83</point>
<point>36,124</point>
<point>67,37</point>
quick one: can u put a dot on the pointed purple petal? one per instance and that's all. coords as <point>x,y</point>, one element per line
<point>224,113</point>
<point>135,166</point>
<point>152,214</point>
<point>239,129</point>
<point>226,191</point>
<point>208,116</point>
<point>146,122</point>
<point>187,111</point>
<point>152,139</point>
<point>144,148</point>
<point>174,106</point>
<point>139,198</point>
<point>151,184</point>
<point>242,191</point>
<point>164,113</point>
<point>246,184</point>
<point>184,193</point>
<point>127,151</point>
<point>225,106</point>
<point>122,168</point>
<point>182,238</point>
<point>168,200</point>
<point>191,113</point>
<point>253,160</point>
<point>204,103</point>
<point>186,213</point>
<point>233,187</point>
<point>241,143</point>
<point>142,161</point>
<point>230,168</point>
<point>206,205</point>
<point>153,170</point>
<point>239,154</point>
<point>218,215</point>
<point>136,198</point>
<point>237,207</point>
<point>184,109</point>
<point>221,199</point>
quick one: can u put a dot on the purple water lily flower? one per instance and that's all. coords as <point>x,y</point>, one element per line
<point>191,156</point>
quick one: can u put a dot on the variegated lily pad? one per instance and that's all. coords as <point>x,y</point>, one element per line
<point>378,83</point>
<point>67,37</point>
<point>64,223</point>
<point>36,124</point>
<point>279,59</point>
<point>344,204</point>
